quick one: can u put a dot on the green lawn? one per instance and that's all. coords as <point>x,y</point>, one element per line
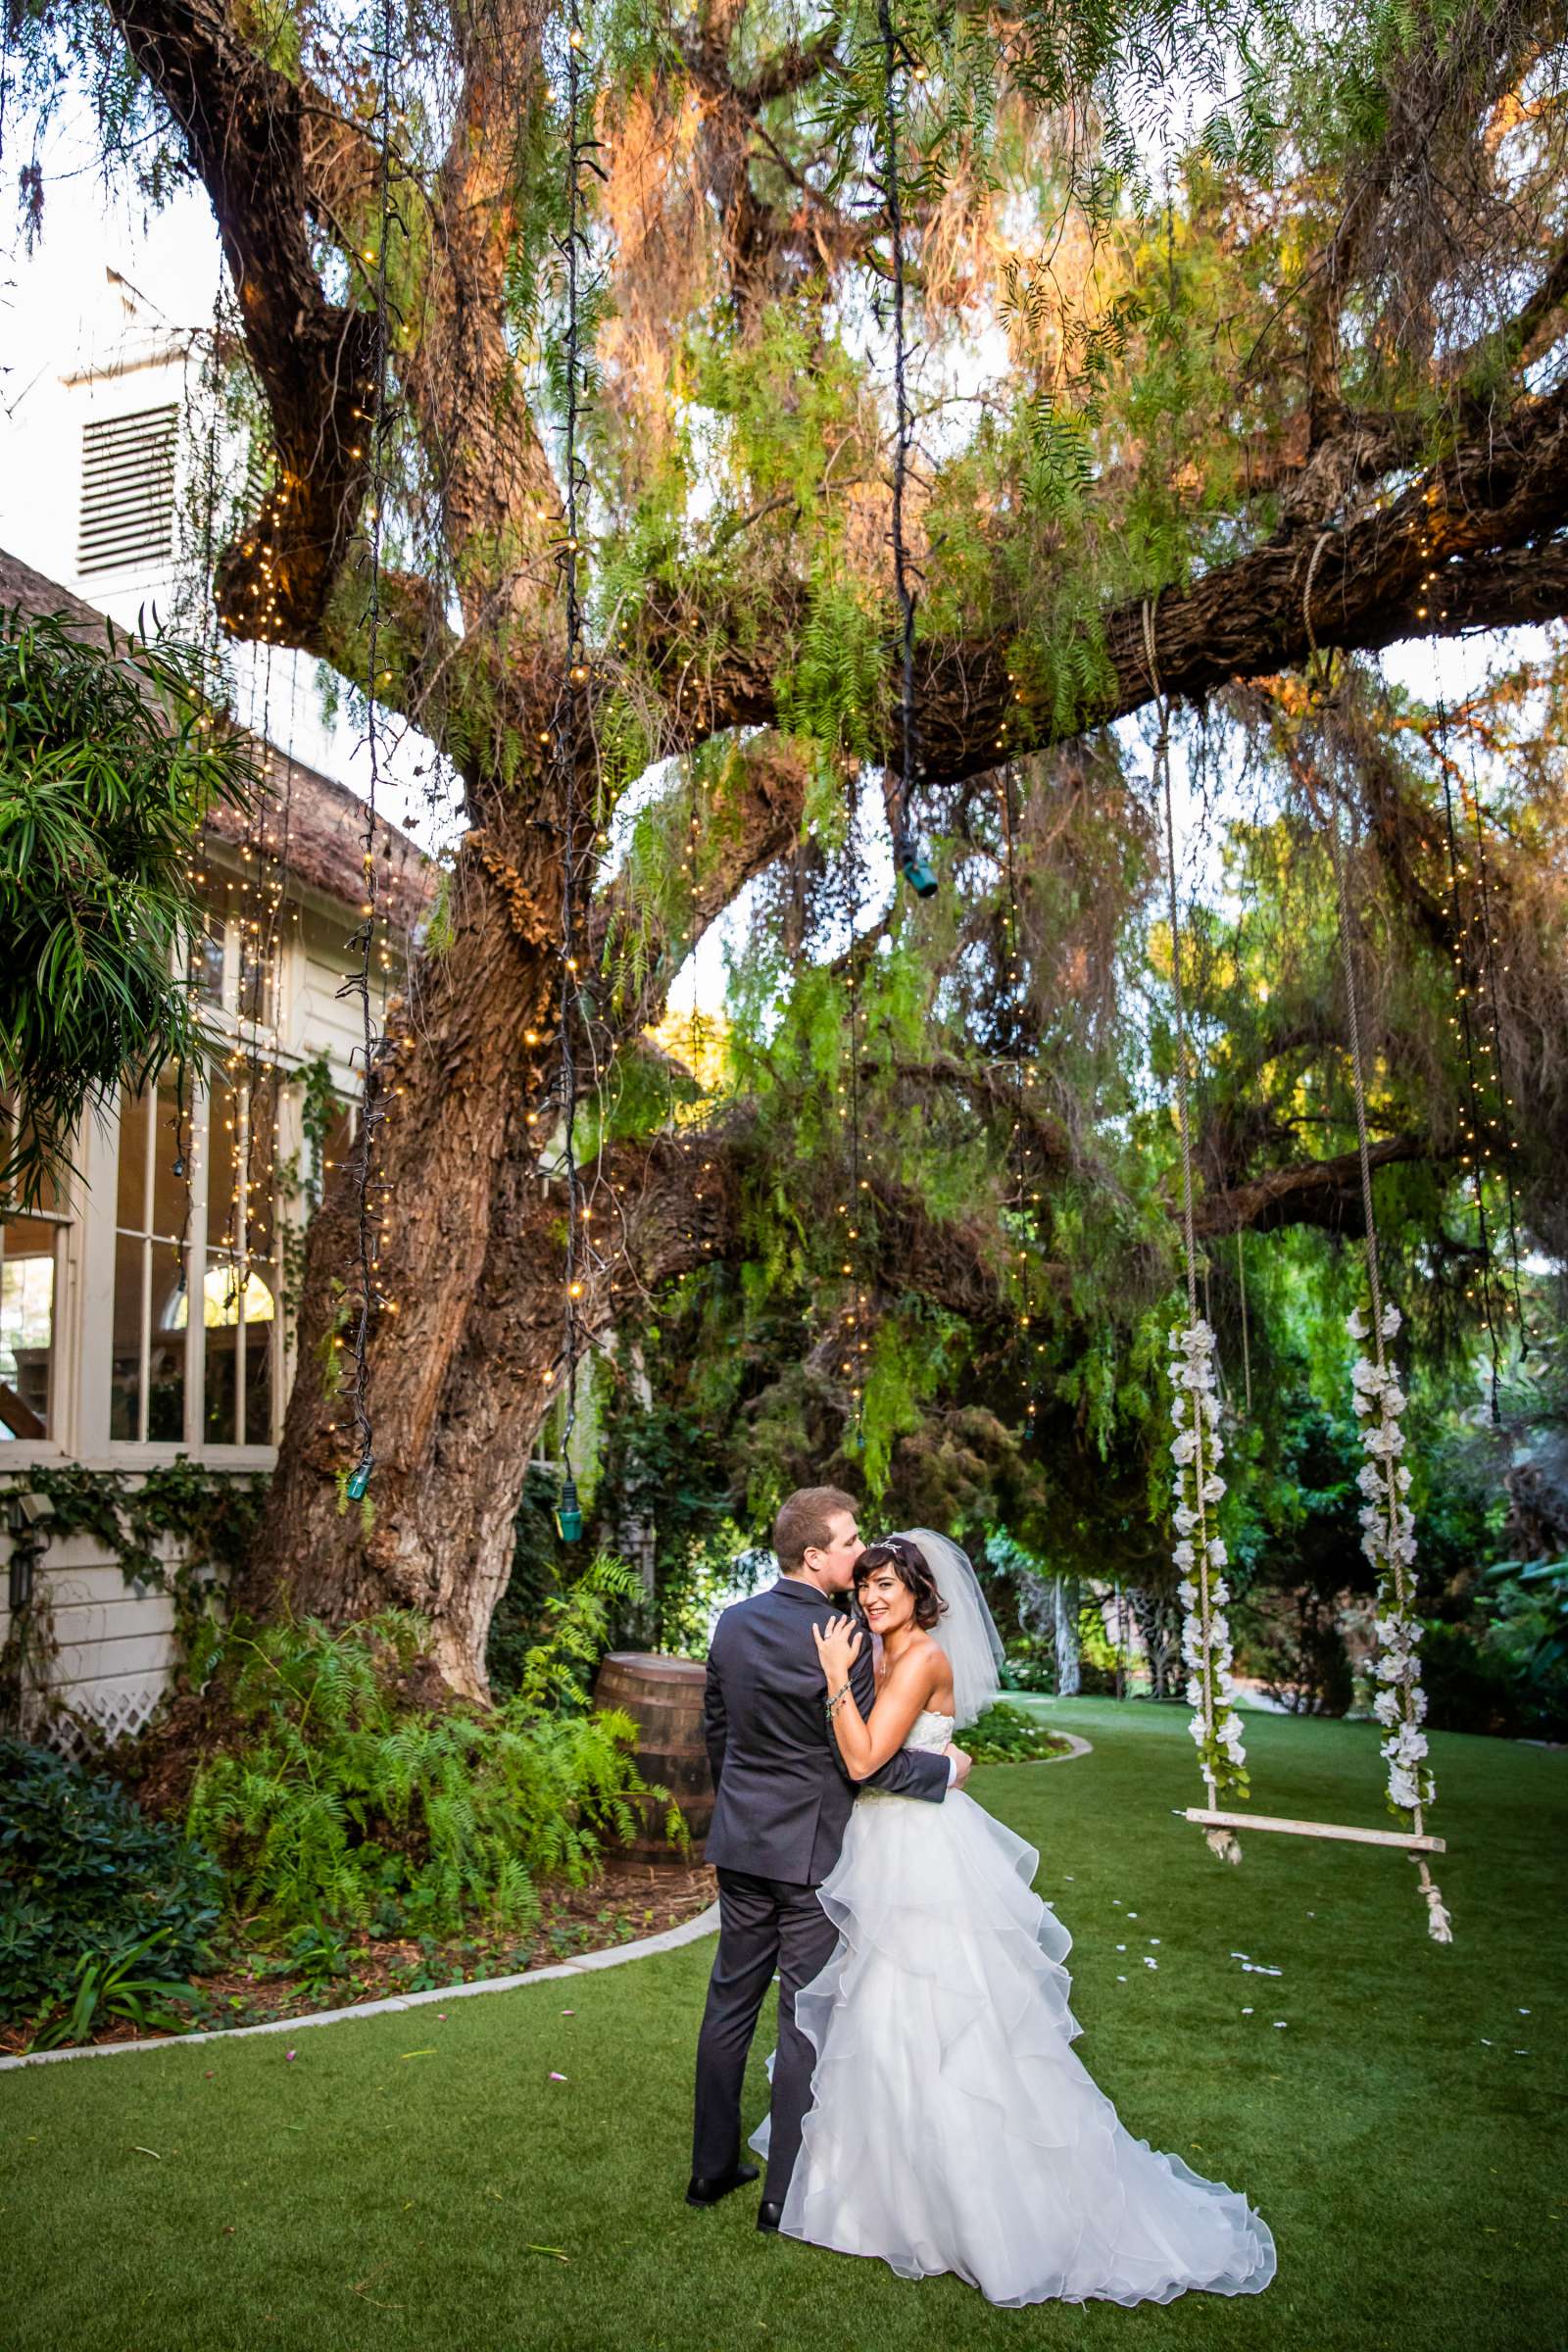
<point>417,2181</point>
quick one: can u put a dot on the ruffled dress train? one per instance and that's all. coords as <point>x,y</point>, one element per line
<point>953,2127</point>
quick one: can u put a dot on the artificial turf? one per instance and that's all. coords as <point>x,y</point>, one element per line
<point>423,2181</point>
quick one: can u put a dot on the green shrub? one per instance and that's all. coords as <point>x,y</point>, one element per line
<point>88,1885</point>
<point>351,1801</point>
<point>1527,1634</point>
<point>1006,1735</point>
<point>1468,1690</point>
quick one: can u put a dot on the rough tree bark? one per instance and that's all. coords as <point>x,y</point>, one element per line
<point>471,1254</point>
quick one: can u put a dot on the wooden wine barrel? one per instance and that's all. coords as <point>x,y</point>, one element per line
<point>663,1696</point>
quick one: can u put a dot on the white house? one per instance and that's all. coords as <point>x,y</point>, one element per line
<point>105,1360</point>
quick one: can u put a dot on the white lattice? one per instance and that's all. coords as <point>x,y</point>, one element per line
<point>85,1720</point>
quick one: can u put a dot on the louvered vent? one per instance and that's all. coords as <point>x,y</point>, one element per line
<point>127,490</point>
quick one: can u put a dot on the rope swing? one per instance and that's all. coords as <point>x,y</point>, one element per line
<point>1196,1447</point>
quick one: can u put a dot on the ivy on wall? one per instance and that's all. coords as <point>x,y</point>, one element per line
<point>210,1514</point>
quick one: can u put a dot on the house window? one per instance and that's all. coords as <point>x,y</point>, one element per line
<point>197,1223</point>
<point>127,490</point>
<point>236,961</point>
<point>152,1214</point>
<point>211,958</point>
<point>32,1266</point>
<point>242,1287</point>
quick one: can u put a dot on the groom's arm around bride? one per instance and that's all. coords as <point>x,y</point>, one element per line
<point>782,1801</point>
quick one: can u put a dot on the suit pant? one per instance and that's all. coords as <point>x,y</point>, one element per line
<point>766,1923</point>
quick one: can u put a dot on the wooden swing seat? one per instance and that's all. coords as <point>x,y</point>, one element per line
<point>1315,1829</point>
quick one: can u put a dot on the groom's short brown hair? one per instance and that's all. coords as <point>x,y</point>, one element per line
<point>802,1522</point>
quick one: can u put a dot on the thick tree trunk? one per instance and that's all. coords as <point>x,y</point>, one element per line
<point>452,1087</point>
<point>1064,1613</point>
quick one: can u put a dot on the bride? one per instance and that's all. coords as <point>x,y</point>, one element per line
<point>952,2128</point>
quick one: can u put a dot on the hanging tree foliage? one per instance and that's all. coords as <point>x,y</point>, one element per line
<point>1324,334</point>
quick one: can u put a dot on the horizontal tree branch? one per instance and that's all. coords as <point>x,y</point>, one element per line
<point>1326,1192</point>
<point>1475,541</point>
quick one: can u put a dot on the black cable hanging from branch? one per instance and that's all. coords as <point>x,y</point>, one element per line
<point>372,1110</point>
<point>572,715</point>
<point>1506,1102</point>
<point>1017,1005</point>
<point>852,1211</point>
<point>915,869</point>
<point>1474,1117</point>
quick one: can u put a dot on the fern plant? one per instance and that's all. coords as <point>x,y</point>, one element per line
<point>349,1801</point>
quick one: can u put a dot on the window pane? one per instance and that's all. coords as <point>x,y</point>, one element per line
<point>166,1354</point>
<point>220,1307</point>
<point>169,1137</point>
<point>124,1363</point>
<point>257,978</point>
<point>207,966</point>
<point>260,1328</point>
<point>340,1143</point>
<point>223,1169</point>
<point>131,1192</point>
<point>27,1326</point>
<point>261,1200</point>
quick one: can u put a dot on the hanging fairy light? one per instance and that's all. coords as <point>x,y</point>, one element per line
<point>915,868</point>
<point>857,1342</point>
<point>1475,1129</point>
<point>1021,1200</point>
<point>372,1110</point>
<point>1509,1141</point>
<point>572,739</point>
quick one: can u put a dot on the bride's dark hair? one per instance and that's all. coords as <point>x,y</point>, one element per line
<point>909,1563</point>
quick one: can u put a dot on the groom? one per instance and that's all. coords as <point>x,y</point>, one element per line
<point>781,1806</point>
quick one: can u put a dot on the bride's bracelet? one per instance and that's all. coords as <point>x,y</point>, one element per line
<point>831,1706</point>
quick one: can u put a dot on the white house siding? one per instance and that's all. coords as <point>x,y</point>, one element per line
<point>115,1645</point>
<point>123,360</point>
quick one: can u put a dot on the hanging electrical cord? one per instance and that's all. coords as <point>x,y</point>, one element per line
<point>917,871</point>
<point>1510,1140</point>
<point>570,723</point>
<point>1475,1118</point>
<point>852,1211</point>
<point>371,1110</point>
<point>1016,996</point>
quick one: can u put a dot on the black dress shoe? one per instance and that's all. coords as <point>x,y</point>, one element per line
<point>708,2193</point>
<point>770,2214</point>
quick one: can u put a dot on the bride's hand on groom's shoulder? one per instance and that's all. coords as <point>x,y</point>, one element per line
<point>837,1648</point>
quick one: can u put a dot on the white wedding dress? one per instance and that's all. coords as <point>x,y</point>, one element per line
<point>952,2128</point>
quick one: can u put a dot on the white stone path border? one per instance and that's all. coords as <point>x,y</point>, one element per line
<point>690,1931</point>
<point>1079,1748</point>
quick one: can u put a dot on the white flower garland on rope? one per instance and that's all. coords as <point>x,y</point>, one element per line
<point>1201,1559</point>
<point>1389,1541</point>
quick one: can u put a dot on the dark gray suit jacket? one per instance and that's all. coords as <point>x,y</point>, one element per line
<point>782,1798</point>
